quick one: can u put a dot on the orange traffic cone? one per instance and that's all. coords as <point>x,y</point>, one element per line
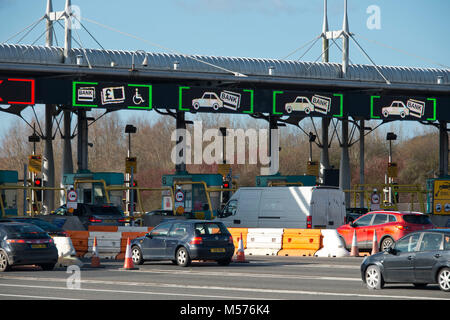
<point>375,243</point>
<point>128,263</point>
<point>355,251</point>
<point>95,259</point>
<point>240,254</point>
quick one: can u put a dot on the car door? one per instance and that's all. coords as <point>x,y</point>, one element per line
<point>429,254</point>
<point>361,226</point>
<point>177,233</point>
<point>154,246</point>
<point>399,263</point>
<point>378,224</point>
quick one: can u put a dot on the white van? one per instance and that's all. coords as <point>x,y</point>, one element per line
<point>285,207</point>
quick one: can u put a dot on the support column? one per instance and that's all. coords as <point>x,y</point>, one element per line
<point>344,168</point>
<point>443,149</point>
<point>82,148</point>
<point>361,161</point>
<point>48,167</point>
<point>274,146</point>
<point>324,158</point>
<point>67,161</point>
<point>180,147</point>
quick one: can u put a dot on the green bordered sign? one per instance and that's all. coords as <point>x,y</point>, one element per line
<point>403,107</point>
<point>216,100</point>
<point>111,95</point>
<point>307,103</point>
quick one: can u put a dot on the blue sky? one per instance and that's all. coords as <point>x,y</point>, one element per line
<point>247,28</point>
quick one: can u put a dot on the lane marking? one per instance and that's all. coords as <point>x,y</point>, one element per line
<point>34,297</point>
<point>198,287</point>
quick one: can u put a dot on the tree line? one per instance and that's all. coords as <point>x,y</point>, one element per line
<point>416,154</point>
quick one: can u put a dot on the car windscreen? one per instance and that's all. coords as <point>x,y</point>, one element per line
<point>205,228</point>
<point>104,210</point>
<point>416,219</point>
<point>25,231</point>
<point>47,226</point>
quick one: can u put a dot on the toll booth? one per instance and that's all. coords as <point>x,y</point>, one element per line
<point>8,196</point>
<point>90,187</point>
<point>191,195</point>
<point>279,180</point>
<point>438,200</point>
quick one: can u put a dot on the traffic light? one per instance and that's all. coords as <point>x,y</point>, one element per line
<point>38,183</point>
<point>135,192</point>
<point>226,194</point>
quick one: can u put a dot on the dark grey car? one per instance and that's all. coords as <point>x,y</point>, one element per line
<point>419,258</point>
<point>23,243</point>
<point>182,241</point>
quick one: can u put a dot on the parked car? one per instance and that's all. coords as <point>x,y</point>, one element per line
<point>24,243</point>
<point>419,258</point>
<point>48,227</point>
<point>389,226</point>
<point>182,241</point>
<point>95,214</point>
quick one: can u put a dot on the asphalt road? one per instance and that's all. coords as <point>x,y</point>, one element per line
<point>268,277</point>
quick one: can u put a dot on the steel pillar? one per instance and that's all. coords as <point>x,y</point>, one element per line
<point>361,161</point>
<point>443,149</point>
<point>274,146</point>
<point>82,147</point>
<point>180,165</point>
<point>344,167</point>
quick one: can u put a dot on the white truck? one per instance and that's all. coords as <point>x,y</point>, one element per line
<point>285,207</point>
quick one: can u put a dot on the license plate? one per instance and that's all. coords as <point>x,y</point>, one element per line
<point>218,250</point>
<point>38,246</point>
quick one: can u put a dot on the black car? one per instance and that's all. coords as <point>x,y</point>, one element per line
<point>420,258</point>
<point>95,214</point>
<point>48,227</point>
<point>182,241</point>
<point>23,243</point>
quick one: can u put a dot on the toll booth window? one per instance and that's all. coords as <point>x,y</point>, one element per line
<point>199,197</point>
<point>98,194</point>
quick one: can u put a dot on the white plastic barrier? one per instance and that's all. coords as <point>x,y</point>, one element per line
<point>263,241</point>
<point>66,252</point>
<point>132,229</point>
<point>108,244</point>
<point>333,245</point>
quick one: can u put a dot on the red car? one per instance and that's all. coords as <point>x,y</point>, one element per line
<point>389,226</point>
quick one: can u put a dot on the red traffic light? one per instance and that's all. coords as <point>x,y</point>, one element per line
<point>226,185</point>
<point>38,182</point>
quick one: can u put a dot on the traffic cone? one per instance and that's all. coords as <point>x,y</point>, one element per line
<point>128,263</point>
<point>95,259</point>
<point>375,243</point>
<point>354,252</point>
<point>240,254</point>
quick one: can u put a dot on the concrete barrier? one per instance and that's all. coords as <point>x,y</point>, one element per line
<point>264,241</point>
<point>300,242</point>
<point>333,245</point>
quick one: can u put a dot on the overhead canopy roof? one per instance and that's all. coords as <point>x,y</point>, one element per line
<point>51,59</point>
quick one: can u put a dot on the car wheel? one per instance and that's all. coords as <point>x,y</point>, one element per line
<point>136,255</point>
<point>386,243</point>
<point>307,110</point>
<point>385,114</point>
<point>196,106</point>
<point>374,279</point>
<point>402,114</point>
<point>183,259</point>
<point>215,106</point>
<point>444,279</point>
<point>4,265</point>
<point>47,266</point>
<point>288,109</point>
<point>224,262</point>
